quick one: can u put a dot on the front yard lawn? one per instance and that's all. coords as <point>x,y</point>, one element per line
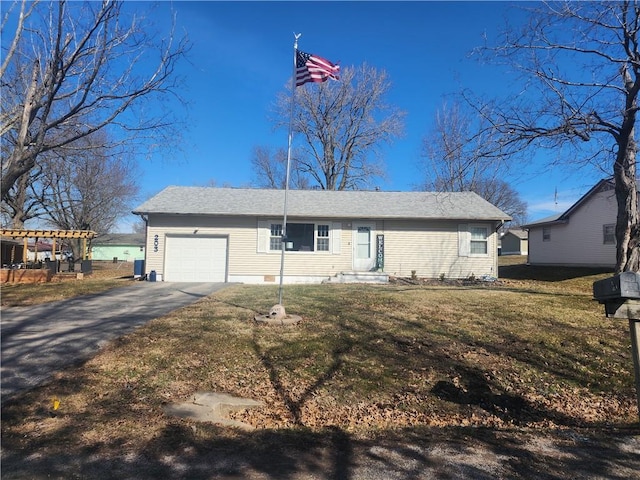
<point>366,361</point>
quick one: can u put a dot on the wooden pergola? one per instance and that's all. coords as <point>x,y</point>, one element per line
<point>26,234</point>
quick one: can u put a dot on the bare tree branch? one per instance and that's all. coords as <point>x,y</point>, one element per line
<point>88,70</point>
<point>582,65</point>
<point>343,125</point>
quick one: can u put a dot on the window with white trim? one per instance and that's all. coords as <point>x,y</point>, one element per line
<point>479,240</point>
<point>301,237</point>
<point>275,238</point>
<point>609,234</point>
<point>322,241</point>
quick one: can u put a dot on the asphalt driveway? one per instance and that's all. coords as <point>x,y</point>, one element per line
<point>39,340</point>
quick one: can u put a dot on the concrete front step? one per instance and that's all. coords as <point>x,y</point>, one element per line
<point>359,277</point>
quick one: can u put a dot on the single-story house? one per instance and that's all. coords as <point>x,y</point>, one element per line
<point>125,247</point>
<point>235,235</point>
<point>583,235</point>
<point>514,242</point>
<point>40,250</point>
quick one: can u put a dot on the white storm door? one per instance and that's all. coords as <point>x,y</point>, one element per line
<point>363,257</point>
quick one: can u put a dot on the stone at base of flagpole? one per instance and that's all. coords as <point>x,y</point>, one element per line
<point>278,316</point>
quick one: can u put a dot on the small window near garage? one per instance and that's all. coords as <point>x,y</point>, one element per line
<point>546,234</point>
<point>479,240</point>
<point>323,238</point>
<point>275,239</point>
<point>609,234</point>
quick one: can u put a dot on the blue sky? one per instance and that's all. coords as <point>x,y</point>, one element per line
<point>241,57</point>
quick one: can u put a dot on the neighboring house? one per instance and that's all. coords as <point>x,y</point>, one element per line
<point>40,251</point>
<point>584,235</point>
<point>515,242</point>
<point>125,247</point>
<point>235,235</point>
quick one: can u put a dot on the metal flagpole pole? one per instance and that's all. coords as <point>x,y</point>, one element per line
<point>286,183</point>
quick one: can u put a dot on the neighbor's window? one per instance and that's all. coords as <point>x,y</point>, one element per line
<point>609,234</point>
<point>323,238</point>
<point>479,240</point>
<point>546,234</point>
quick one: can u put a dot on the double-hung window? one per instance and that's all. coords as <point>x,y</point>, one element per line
<point>275,238</point>
<point>322,239</point>
<point>479,240</point>
<point>609,234</point>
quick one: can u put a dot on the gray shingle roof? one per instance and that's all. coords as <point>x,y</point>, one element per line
<point>321,203</point>
<point>521,234</point>
<point>603,185</point>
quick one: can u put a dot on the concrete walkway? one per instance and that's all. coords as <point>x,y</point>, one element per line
<point>39,340</point>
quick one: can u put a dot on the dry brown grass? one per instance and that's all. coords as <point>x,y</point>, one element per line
<point>105,275</point>
<point>520,356</point>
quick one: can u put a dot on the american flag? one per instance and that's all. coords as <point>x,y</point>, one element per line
<point>311,68</point>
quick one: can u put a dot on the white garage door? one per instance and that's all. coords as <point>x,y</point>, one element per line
<point>195,259</point>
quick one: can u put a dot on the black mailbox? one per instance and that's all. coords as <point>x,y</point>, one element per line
<point>621,297</point>
<point>624,286</point>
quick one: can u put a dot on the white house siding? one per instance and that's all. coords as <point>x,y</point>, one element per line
<point>579,242</point>
<point>431,249</point>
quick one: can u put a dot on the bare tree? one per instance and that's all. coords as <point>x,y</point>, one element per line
<point>342,126</point>
<point>73,69</point>
<point>19,204</point>
<point>458,150</point>
<point>459,155</point>
<point>84,187</point>
<point>502,195</point>
<point>270,169</point>
<point>580,65</point>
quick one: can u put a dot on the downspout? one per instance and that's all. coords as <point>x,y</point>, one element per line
<point>146,233</point>
<point>499,224</point>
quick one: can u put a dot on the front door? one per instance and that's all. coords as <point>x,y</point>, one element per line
<point>363,250</point>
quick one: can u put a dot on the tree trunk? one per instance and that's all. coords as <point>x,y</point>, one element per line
<point>23,156</point>
<point>628,219</point>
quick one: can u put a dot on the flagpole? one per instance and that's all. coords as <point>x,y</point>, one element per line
<point>286,183</point>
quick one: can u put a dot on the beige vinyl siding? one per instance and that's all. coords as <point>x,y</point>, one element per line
<point>301,263</point>
<point>580,240</point>
<point>244,257</point>
<point>432,249</point>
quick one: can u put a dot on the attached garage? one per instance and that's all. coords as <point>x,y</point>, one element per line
<point>195,258</point>
<point>206,234</point>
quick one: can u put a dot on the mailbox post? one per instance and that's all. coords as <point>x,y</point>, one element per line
<point>620,295</point>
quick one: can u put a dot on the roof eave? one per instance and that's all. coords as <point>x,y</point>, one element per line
<point>332,215</point>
